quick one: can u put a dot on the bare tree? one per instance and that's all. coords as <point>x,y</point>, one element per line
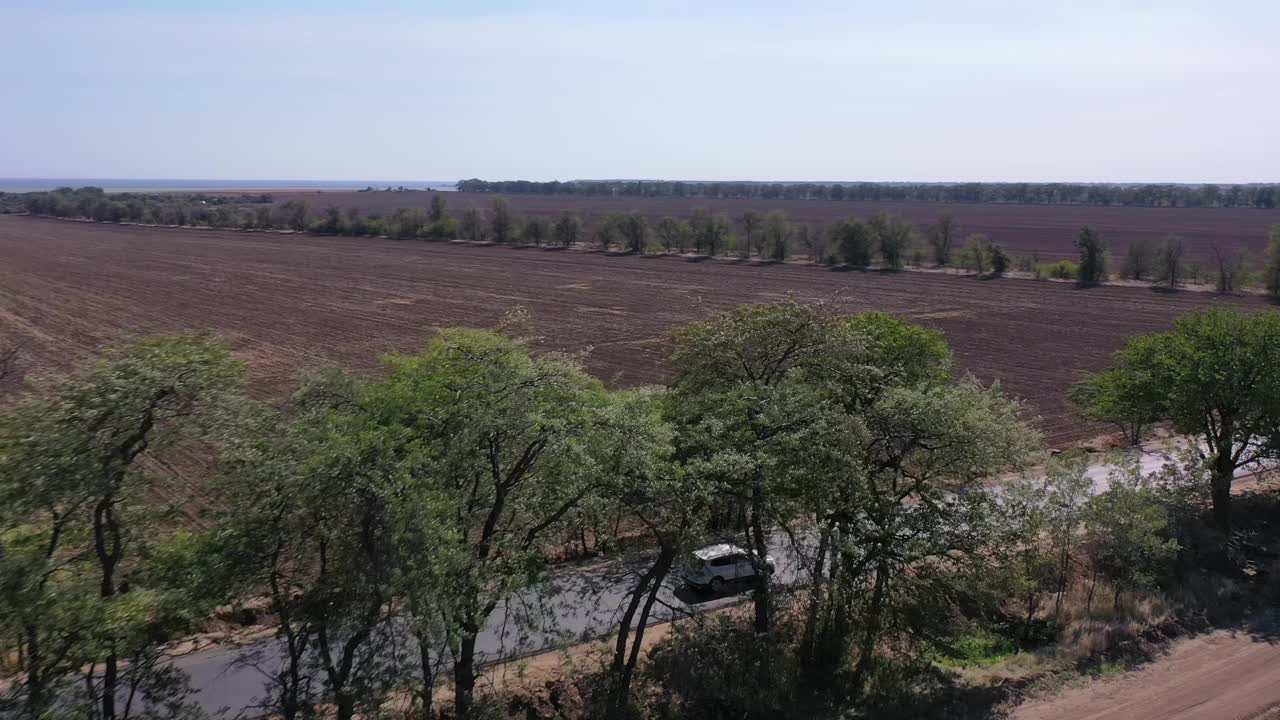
<point>1231,270</point>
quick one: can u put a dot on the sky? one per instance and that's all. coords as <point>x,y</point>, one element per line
<point>912,90</point>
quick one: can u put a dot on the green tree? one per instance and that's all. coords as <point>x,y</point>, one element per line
<point>1127,534</point>
<point>566,229</point>
<point>310,496</point>
<point>1140,260</point>
<point>853,242</point>
<point>999,259</point>
<point>1271,273</point>
<point>91,579</point>
<point>536,230</point>
<point>941,237</point>
<point>751,222</point>
<point>776,234</point>
<point>472,225</point>
<point>295,215</point>
<point>438,211</point>
<point>976,255</point>
<point>893,236</point>
<point>633,231</point>
<point>501,222</point>
<point>512,443</point>
<point>1169,258</point>
<point>1215,377</point>
<point>739,404</point>
<point>673,234</point>
<point>1093,257</point>
<point>710,232</point>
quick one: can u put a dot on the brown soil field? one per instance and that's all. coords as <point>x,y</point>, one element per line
<point>291,302</point>
<point>1046,230</point>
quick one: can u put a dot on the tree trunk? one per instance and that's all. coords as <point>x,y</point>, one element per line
<point>815,596</point>
<point>346,706</point>
<point>665,561</point>
<point>617,691</point>
<point>871,632</point>
<point>107,546</point>
<point>464,675</point>
<point>761,549</point>
<point>1223,474</point>
<point>428,678</point>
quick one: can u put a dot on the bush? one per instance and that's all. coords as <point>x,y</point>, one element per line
<point>1061,270</point>
<point>719,668</point>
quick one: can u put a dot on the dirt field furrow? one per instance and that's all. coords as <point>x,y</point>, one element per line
<point>292,302</point>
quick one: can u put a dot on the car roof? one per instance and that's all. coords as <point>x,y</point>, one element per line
<point>711,552</point>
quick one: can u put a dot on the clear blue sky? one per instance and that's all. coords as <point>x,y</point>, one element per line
<point>1114,90</point>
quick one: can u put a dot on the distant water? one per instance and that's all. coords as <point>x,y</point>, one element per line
<point>178,185</point>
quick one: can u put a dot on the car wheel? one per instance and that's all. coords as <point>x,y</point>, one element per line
<point>717,584</point>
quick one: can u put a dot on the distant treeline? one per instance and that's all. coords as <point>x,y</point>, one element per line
<point>150,208</point>
<point>1144,195</point>
<point>884,240</point>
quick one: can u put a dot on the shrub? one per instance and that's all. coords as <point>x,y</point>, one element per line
<point>1061,270</point>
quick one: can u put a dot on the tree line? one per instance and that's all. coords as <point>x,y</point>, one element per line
<point>884,240</point>
<point>150,208</point>
<point>384,518</point>
<point>1141,195</point>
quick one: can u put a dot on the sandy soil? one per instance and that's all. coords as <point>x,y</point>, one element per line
<point>1222,675</point>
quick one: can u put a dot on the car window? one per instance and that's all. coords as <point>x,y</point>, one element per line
<point>740,559</point>
<point>723,561</point>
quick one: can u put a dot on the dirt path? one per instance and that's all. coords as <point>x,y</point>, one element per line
<point>1223,675</point>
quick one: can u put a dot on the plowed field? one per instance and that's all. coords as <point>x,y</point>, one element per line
<point>289,302</point>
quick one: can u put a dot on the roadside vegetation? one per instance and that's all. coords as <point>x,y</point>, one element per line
<point>884,241</point>
<point>377,522</point>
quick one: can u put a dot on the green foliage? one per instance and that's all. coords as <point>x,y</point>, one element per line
<point>776,235</point>
<point>1061,270</point>
<point>853,241</point>
<point>1169,260</point>
<point>710,232</point>
<point>1093,257</point>
<point>1271,273</point>
<point>1140,260</point>
<point>999,260</point>
<point>1262,196</point>
<point>1215,377</point>
<point>566,229</point>
<point>501,222</point>
<point>438,211</point>
<point>976,255</point>
<point>893,237</point>
<point>978,647</point>
<point>673,234</point>
<point>91,576</point>
<point>536,230</point>
<point>472,224</point>
<point>633,231</point>
<point>941,236</point>
<point>1127,538</point>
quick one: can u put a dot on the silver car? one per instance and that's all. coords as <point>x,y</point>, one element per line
<point>714,565</point>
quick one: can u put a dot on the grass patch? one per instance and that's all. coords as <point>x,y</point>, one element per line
<point>979,647</point>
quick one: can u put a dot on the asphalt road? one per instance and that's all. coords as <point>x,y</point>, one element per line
<point>577,604</point>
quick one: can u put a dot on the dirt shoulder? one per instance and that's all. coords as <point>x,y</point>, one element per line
<point>1221,675</point>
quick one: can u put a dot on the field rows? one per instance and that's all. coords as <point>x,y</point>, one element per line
<point>292,302</point>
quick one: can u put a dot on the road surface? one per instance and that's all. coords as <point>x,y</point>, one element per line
<point>1222,675</point>
<point>579,604</point>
